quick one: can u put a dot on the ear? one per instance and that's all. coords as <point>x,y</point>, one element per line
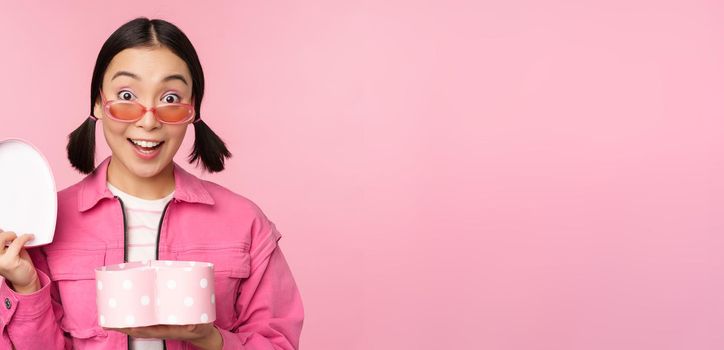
<point>98,109</point>
<point>193,103</point>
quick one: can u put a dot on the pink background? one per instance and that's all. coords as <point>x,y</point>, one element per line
<point>446,174</point>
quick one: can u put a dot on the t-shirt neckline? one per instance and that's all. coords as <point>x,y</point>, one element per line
<point>115,190</point>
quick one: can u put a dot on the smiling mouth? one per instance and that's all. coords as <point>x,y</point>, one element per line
<point>145,146</point>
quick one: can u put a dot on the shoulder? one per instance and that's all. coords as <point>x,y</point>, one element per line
<point>70,191</point>
<point>68,197</point>
<point>239,218</point>
<point>227,199</point>
<point>244,212</point>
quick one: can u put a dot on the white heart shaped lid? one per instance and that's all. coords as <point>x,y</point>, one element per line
<point>28,198</point>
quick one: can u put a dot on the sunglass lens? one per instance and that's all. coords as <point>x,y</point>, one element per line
<point>173,113</point>
<point>126,111</point>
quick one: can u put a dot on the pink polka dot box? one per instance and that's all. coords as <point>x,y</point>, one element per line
<point>145,293</point>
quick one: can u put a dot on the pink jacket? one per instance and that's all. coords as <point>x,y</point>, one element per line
<point>258,304</point>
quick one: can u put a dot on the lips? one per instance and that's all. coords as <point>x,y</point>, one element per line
<point>146,149</point>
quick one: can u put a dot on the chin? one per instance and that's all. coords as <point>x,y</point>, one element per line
<point>145,168</point>
<point>151,169</point>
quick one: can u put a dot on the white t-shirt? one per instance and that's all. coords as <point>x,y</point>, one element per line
<point>142,219</point>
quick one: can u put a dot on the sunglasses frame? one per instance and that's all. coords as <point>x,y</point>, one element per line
<point>107,109</point>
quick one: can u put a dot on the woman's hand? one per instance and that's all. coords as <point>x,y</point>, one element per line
<point>16,265</point>
<point>203,336</point>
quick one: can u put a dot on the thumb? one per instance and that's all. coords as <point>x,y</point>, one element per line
<point>18,243</point>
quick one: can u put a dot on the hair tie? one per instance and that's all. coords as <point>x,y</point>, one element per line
<point>197,120</point>
<point>93,117</point>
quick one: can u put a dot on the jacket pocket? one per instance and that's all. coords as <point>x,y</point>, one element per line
<point>230,262</point>
<point>231,267</point>
<point>73,271</point>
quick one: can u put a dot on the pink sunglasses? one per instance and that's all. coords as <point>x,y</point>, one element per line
<point>132,111</point>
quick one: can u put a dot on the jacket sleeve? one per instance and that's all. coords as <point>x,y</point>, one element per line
<point>32,321</point>
<point>271,310</point>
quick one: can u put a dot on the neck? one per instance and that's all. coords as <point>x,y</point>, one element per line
<point>153,187</point>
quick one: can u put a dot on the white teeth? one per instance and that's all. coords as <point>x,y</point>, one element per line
<point>145,143</point>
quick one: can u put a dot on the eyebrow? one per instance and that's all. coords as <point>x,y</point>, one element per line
<point>134,76</point>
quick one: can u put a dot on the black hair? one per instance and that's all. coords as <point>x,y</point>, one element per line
<point>144,32</point>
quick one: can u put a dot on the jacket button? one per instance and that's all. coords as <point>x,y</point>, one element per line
<point>8,305</point>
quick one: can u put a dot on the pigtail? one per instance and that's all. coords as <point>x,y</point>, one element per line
<point>82,146</point>
<point>208,148</point>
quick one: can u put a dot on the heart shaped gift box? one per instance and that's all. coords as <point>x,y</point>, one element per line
<point>145,293</point>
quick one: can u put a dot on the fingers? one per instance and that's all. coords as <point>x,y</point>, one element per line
<point>159,331</point>
<point>14,248</point>
<point>5,237</point>
<point>140,332</point>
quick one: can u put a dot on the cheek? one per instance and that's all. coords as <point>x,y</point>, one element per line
<point>176,135</point>
<point>114,133</point>
<point>112,128</point>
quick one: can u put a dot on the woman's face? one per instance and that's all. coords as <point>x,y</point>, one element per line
<point>150,76</point>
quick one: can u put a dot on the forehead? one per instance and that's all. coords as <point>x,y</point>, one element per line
<point>151,65</point>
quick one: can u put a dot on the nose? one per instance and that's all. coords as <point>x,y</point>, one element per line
<point>148,121</point>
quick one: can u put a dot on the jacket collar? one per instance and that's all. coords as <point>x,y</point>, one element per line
<point>93,188</point>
